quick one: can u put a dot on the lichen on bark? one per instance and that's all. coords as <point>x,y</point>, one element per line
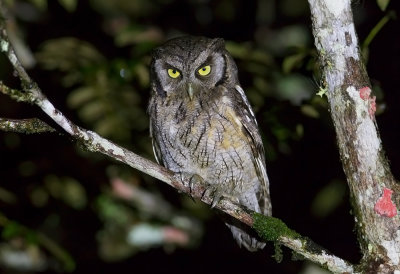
<point>26,126</point>
<point>361,151</point>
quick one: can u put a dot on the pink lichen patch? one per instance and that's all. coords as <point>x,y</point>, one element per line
<point>384,206</point>
<point>372,106</point>
<point>365,92</point>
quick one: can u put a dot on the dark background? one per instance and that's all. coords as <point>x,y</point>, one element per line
<point>308,187</point>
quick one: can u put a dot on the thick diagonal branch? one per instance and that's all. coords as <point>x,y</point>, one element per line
<point>353,106</point>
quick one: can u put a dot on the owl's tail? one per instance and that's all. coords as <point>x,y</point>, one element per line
<point>242,236</point>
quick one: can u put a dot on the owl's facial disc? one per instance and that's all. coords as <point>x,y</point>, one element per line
<point>189,76</point>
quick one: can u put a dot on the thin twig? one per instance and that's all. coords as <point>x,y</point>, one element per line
<point>27,126</point>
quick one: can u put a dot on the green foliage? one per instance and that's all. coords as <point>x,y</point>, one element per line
<point>114,212</point>
<point>309,111</point>
<point>11,230</point>
<point>31,240</point>
<point>383,4</point>
<point>374,31</point>
<point>293,61</point>
<point>67,189</point>
<point>101,89</point>
<point>278,256</point>
<point>328,198</point>
<point>143,221</point>
<point>68,5</point>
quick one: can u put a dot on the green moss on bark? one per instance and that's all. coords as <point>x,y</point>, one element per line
<point>270,228</point>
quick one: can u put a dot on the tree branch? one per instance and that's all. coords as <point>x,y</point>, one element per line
<point>352,109</point>
<point>268,228</point>
<point>28,126</point>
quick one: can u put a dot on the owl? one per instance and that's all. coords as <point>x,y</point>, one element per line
<point>201,123</point>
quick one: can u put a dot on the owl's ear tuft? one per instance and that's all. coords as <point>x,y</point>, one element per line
<point>155,53</point>
<point>217,43</point>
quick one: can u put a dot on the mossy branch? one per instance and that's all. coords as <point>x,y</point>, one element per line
<point>275,230</point>
<point>270,229</point>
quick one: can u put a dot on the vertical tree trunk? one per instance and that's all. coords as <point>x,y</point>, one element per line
<point>352,109</point>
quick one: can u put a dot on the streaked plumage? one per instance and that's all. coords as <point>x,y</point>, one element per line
<point>204,125</point>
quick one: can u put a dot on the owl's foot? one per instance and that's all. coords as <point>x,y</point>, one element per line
<point>194,182</point>
<point>216,194</point>
<point>198,187</point>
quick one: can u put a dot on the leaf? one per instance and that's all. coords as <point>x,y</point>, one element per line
<point>93,111</point>
<point>68,54</point>
<point>292,61</point>
<point>309,111</point>
<point>138,35</point>
<point>68,5</point>
<point>74,193</point>
<point>39,197</point>
<point>11,229</point>
<point>295,88</point>
<point>40,4</point>
<point>67,189</point>
<point>375,30</point>
<point>299,130</point>
<point>80,96</point>
<point>383,4</point>
<point>328,199</point>
<point>142,74</point>
<point>237,50</point>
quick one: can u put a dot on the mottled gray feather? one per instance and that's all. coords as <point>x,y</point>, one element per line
<point>214,134</point>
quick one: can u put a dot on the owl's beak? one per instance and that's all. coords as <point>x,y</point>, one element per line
<point>190,91</point>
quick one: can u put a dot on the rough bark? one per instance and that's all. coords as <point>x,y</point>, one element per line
<point>352,109</point>
<point>27,126</point>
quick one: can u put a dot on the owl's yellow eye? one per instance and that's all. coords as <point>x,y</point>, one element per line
<point>173,73</point>
<point>204,71</point>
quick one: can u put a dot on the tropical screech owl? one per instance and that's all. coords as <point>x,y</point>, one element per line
<point>201,123</point>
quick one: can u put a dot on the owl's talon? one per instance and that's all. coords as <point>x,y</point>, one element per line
<point>216,195</point>
<point>215,201</point>
<point>193,180</point>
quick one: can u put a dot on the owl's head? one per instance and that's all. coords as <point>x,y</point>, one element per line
<point>189,66</point>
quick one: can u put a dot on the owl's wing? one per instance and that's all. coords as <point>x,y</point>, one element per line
<point>154,143</point>
<point>249,122</point>
<point>156,151</point>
